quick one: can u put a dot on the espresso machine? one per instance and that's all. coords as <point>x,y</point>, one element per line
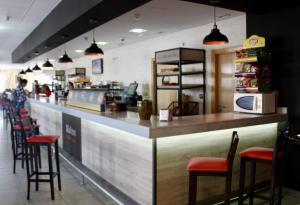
<point>130,96</point>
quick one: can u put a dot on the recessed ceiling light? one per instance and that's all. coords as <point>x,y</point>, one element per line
<point>102,43</point>
<point>51,60</point>
<point>137,30</point>
<point>79,51</point>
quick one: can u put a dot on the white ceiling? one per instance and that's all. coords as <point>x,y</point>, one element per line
<point>159,17</point>
<point>17,19</point>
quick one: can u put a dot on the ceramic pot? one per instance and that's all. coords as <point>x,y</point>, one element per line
<point>145,109</point>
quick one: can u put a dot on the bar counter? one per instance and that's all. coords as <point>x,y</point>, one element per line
<point>146,160</point>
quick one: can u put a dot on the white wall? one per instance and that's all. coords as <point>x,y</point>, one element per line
<point>8,78</point>
<point>132,62</point>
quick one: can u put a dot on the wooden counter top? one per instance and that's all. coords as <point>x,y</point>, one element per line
<point>130,122</point>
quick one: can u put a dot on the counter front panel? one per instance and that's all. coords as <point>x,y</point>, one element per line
<point>146,160</point>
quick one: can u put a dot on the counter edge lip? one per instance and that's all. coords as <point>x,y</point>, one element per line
<point>165,131</point>
<point>212,126</point>
<point>139,130</point>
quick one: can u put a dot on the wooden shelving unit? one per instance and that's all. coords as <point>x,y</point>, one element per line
<point>180,57</point>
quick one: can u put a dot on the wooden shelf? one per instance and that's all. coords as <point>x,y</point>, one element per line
<point>185,62</point>
<point>245,74</point>
<point>246,60</point>
<point>177,73</point>
<point>247,89</point>
<point>177,87</point>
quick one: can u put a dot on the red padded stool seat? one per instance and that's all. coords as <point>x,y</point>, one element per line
<point>42,139</point>
<point>23,111</point>
<point>208,164</point>
<point>18,127</point>
<point>258,153</point>
<point>24,116</point>
<point>212,166</point>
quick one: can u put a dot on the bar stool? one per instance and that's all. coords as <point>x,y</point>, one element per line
<point>18,135</point>
<point>33,174</point>
<point>270,156</point>
<point>212,166</point>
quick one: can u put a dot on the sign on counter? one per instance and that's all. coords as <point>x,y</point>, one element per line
<point>72,135</point>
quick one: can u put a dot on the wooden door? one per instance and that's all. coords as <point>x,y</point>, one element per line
<point>225,79</point>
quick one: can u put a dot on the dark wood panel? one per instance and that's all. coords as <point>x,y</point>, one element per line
<point>282,35</point>
<point>70,19</point>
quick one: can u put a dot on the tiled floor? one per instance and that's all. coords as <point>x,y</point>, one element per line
<point>13,186</point>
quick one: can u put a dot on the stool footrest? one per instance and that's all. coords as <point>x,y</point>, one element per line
<point>54,174</point>
<point>39,180</point>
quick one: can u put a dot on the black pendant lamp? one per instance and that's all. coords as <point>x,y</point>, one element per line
<point>215,37</point>
<point>47,64</point>
<point>93,50</point>
<point>65,58</point>
<point>36,68</point>
<point>28,70</point>
<point>22,72</point>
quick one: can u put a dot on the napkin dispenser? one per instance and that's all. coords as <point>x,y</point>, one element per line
<point>165,115</point>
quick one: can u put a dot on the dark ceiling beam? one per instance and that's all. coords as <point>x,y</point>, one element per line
<point>250,6</point>
<point>68,20</point>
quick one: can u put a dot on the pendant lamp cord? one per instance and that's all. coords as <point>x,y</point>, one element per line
<point>215,21</point>
<point>94,35</point>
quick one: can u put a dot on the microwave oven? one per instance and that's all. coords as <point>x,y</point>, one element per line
<point>258,103</point>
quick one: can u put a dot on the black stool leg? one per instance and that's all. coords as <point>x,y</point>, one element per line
<point>252,182</point>
<point>57,165</point>
<point>31,158</point>
<point>14,154</point>
<point>40,157</point>
<point>280,176</point>
<point>227,190</point>
<point>12,137</point>
<point>28,172</point>
<point>22,149</point>
<point>273,186</point>
<point>242,181</point>
<point>36,167</point>
<point>50,172</point>
<point>192,189</point>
